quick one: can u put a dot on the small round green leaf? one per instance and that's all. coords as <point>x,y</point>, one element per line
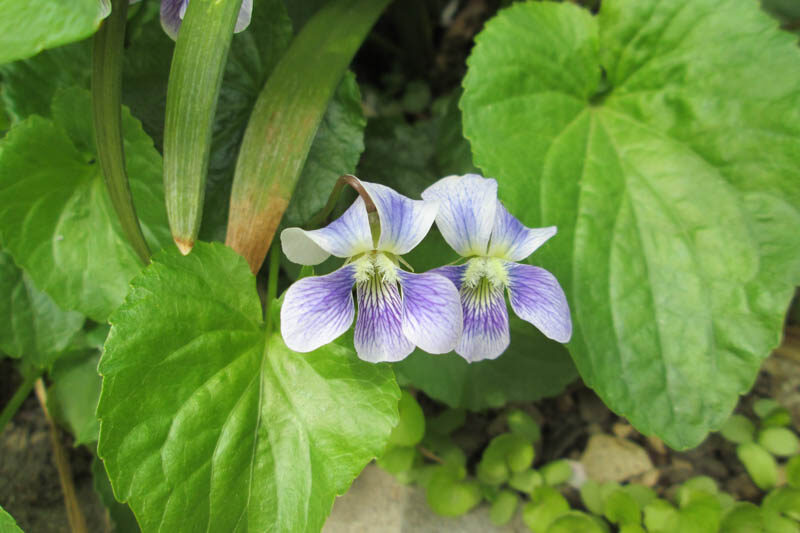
<point>738,429</point>
<point>744,517</point>
<point>695,487</point>
<point>526,481</point>
<point>621,508</point>
<point>641,493</point>
<point>764,406</point>
<point>574,522</point>
<point>411,428</point>
<point>448,496</point>
<point>546,505</point>
<point>779,441</point>
<point>593,497</point>
<point>793,471</point>
<point>785,500</point>
<point>779,417</point>
<point>660,516</point>
<point>759,463</point>
<point>521,422</point>
<point>503,507</point>
<point>556,472</point>
<point>505,454</point>
<point>398,459</point>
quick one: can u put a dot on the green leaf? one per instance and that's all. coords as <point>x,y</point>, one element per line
<point>411,426</point>
<point>7,523</point>
<point>72,398</point>
<point>532,368</point>
<point>55,215</point>
<point>33,326</point>
<point>252,56</point>
<point>760,465</point>
<point>120,514</point>
<point>504,507</point>
<point>411,157</point>
<point>738,429</point>
<point>335,150</point>
<point>673,179</point>
<point>242,434</point>
<point>30,84</point>
<point>779,441</point>
<point>28,26</point>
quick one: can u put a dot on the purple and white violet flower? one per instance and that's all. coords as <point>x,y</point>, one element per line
<point>477,226</point>
<point>173,11</point>
<point>397,310</point>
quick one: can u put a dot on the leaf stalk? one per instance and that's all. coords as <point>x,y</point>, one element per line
<point>107,116</point>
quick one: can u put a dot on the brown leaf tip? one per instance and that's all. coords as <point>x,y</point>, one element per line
<point>184,246</point>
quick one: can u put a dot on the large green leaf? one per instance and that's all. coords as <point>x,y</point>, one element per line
<point>28,85</point>
<point>411,157</point>
<point>72,398</point>
<point>28,26</point>
<point>32,325</point>
<point>56,219</point>
<point>663,139</point>
<point>207,424</point>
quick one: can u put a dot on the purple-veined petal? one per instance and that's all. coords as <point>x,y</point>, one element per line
<point>485,334</point>
<point>512,240</point>
<point>172,12</point>
<point>466,211</point>
<point>404,222</point>
<point>379,327</point>
<point>245,12</point>
<point>431,311</point>
<point>455,273</point>
<point>318,309</point>
<point>536,296</point>
<point>346,236</point>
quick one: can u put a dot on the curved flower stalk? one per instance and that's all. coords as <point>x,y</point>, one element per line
<point>397,310</point>
<point>172,12</point>
<point>477,226</point>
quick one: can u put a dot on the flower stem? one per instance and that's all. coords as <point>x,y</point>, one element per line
<point>106,111</point>
<point>15,402</point>
<point>272,281</point>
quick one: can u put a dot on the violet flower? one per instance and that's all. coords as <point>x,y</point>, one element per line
<point>477,226</point>
<point>172,12</point>
<point>396,309</point>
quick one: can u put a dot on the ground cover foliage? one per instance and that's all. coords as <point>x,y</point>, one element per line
<point>662,139</point>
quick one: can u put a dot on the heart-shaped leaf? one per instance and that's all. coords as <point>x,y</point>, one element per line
<point>663,139</point>
<point>208,424</point>
<point>33,326</point>
<point>56,218</point>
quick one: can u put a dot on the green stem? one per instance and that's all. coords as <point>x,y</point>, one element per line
<point>272,282</point>
<point>107,115</point>
<point>285,119</point>
<point>195,78</point>
<point>13,405</point>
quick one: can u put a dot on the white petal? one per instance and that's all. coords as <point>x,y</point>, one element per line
<point>431,311</point>
<point>318,309</point>
<point>466,211</point>
<point>404,222</point>
<point>245,13</point>
<point>512,240</point>
<point>346,236</point>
